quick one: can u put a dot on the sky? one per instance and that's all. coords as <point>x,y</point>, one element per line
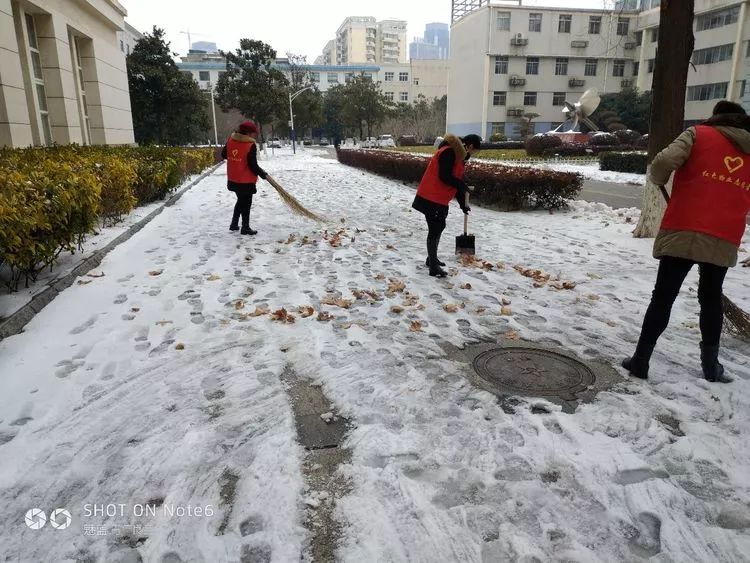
<point>301,27</point>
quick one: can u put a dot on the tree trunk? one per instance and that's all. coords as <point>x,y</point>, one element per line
<point>675,48</point>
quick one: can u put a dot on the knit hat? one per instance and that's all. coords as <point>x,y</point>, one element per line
<point>725,106</point>
<point>248,128</point>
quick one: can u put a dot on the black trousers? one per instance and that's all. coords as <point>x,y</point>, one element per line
<point>242,207</point>
<point>672,272</point>
<point>435,214</point>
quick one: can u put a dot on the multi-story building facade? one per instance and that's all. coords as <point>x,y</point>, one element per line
<point>434,45</point>
<point>364,40</point>
<point>62,73</point>
<point>127,38</point>
<point>509,60</point>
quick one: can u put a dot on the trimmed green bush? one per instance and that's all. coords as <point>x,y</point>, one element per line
<point>537,144</point>
<point>635,162</point>
<point>508,188</point>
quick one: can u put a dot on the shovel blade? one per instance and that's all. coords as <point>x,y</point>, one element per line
<point>465,244</point>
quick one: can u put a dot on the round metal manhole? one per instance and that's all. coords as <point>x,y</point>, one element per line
<point>532,372</point>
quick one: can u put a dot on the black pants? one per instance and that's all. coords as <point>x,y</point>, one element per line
<point>242,207</point>
<point>672,272</point>
<point>435,228</point>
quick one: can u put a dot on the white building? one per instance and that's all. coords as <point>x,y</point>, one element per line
<point>127,38</point>
<point>510,59</point>
<point>364,40</point>
<point>62,73</point>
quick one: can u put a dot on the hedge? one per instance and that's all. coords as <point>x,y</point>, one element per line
<point>503,145</point>
<point>508,188</point>
<point>536,145</point>
<point>624,162</point>
<point>51,198</point>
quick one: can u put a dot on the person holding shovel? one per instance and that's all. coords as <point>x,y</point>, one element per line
<point>703,224</point>
<point>441,182</point>
<point>241,154</point>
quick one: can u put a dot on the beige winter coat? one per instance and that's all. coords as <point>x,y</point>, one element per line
<point>698,247</point>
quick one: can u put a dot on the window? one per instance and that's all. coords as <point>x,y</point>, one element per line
<point>367,75</point>
<point>389,77</point>
<point>403,77</point>
<point>122,46</point>
<point>389,96</point>
<point>84,107</point>
<point>501,64</point>
<point>404,96</point>
<point>747,52</point>
<point>558,98</point>
<point>535,22</point>
<point>38,79</point>
<point>742,88</point>
<point>654,34</point>
<point>707,92</point>
<point>651,64</point>
<point>204,75</point>
<point>499,98</point>
<point>639,38</point>
<point>415,81</point>
<point>623,26</point>
<point>315,77</point>
<point>563,24</point>
<point>333,77</point>
<point>561,66</point>
<point>532,65</point>
<point>636,68</point>
<point>503,21</point>
<point>595,25</point>
<point>719,18</point>
<point>713,54</point>
<point>590,68</point>
<point>498,128</point>
<point>529,98</point>
<point>127,49</point>
<point>618,67</point>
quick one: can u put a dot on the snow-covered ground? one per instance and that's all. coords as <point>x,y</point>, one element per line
<point>155,383</point>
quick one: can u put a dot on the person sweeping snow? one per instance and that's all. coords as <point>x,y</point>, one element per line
<point>442,181</point>
<point>243,171</point>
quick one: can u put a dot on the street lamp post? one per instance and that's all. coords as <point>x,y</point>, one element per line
<point>291,115</point>
<point>213,113</point>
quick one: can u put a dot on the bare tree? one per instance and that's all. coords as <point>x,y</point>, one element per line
<point>673,54</point>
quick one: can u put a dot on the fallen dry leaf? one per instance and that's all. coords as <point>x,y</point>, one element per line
<point>239,304</point>
<point>397,309</point>
<point>380,277</point>
<point>154,272</point>
<point>500,265</point>
<point>594,276</point>
<point>282,315</point>
<point>511,335</point>
<point>420,307</point>
<point>323,316</point>
<point>594,297</point>
<point>164,323</point>
<point>101,274</point>
<point>179,346</point>
<point>135,309</point>
<point>337,301</point>
<point>390,247</point>
<point>450,308</point>
<point>415,326</point>
<point>396,286</point>
<point>466,286</point>
<point>260,311</point>
<point>291,239</point>
<point>213,277</point>
<point>505,301</point>
<point>84,282</point>
<point>481,310</point>
<point>569,285</point>
<point>505,310</point>
<point>305,311</point>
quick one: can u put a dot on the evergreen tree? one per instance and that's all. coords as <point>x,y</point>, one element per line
<point>167,105</point>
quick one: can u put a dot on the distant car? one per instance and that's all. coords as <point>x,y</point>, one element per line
<point>275,144</point>
<point>307,142</point>
<point>386,141</point>
<point>370,143</point>
<point>323,142</point>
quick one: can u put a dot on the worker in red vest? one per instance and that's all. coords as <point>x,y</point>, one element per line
<point>442,181</point>
<point>241,154</point>
<point>703,224</point>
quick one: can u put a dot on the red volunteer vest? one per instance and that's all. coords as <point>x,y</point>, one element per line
<point>237,169</point>
<point>431,188</point>
<point>711,191</point>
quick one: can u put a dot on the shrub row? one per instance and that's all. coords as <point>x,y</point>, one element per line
<point>624,161</point>
<point>51,198</point>
<point>508,188</point>
<point>580,149</point>
<point>503,145</point>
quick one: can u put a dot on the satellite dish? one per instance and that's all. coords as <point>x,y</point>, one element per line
<point>580,111</point>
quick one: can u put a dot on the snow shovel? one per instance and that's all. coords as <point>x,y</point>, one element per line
<point>465,242</point>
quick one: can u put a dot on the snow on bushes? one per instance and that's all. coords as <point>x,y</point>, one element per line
<point>623,162</point>
<point>506,187</point>
<point>603,139</point>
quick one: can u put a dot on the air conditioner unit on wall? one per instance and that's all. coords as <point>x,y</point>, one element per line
<point>517,81</point>
<point>579,44</point>
<point>519,40</point>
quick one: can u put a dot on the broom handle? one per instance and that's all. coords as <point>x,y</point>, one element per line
<point>466,215</point>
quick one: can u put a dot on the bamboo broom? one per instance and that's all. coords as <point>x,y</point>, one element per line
<point>736,321</point>
<point>292,203</point>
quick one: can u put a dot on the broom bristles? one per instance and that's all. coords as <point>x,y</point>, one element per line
<point>292,203</point>
<point>736,321</point>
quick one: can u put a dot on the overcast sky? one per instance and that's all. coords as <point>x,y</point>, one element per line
<point>298,26</point>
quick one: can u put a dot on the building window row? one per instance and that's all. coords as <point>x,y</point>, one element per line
<point>500,98</point>
<point>718,18</point>
<point>564,23</point>
<point>705,92</point>
<point>562,66</point>
<point>713,54</point>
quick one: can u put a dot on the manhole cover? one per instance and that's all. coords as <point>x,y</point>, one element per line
<point>532,372</point>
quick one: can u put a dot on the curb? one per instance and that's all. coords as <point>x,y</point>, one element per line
<point>15,323</point>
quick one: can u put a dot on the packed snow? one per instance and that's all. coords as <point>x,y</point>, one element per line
<point>154,384</point>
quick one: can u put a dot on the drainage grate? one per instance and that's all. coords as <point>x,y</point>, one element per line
<point>532,372</point>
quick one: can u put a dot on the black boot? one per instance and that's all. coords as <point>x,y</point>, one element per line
<point>248,231</point>
<point>712,370</point>
<point>637,366</point>
<point>427,262</point>
<point>438,272</point>
<point>234,227</point>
